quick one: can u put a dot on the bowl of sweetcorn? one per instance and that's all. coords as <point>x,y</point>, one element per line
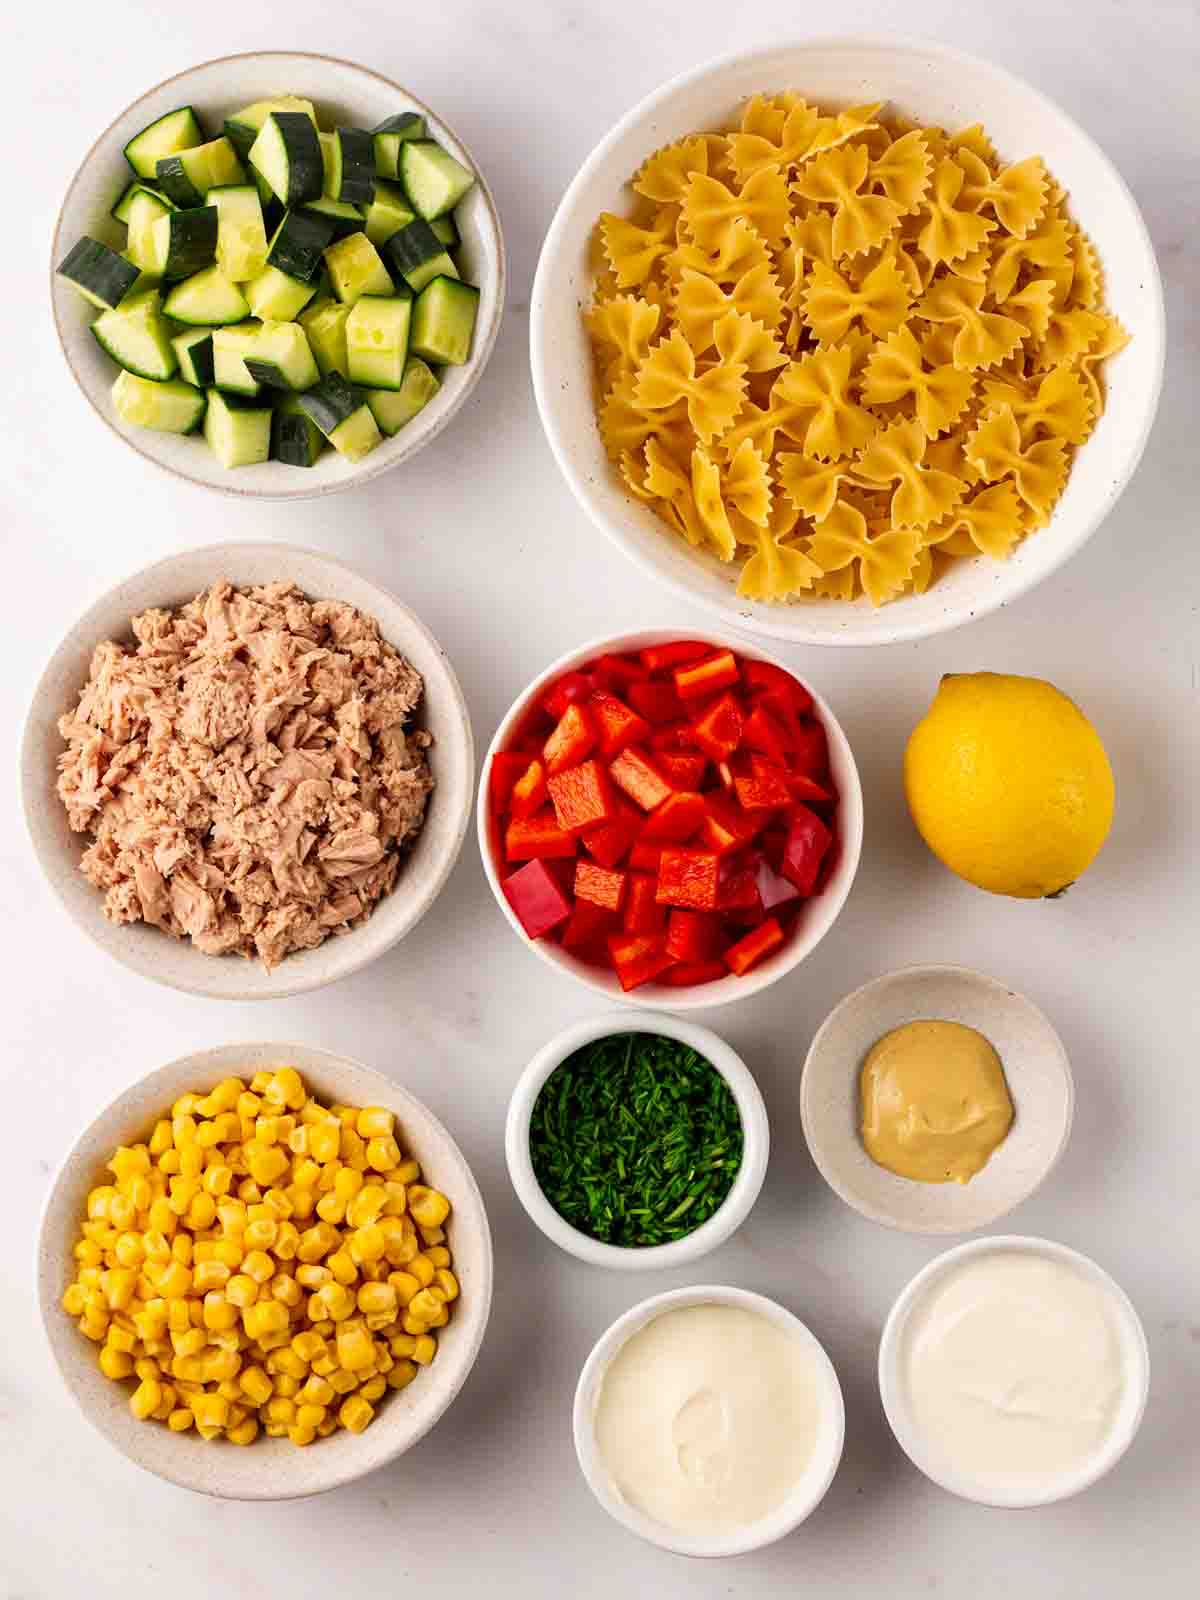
<point>142,1366</point>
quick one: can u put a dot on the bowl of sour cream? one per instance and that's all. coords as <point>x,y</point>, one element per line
<point>1014,1371</point>
<point>709,1421</point>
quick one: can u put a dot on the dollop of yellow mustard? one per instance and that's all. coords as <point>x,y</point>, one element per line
<point>935,1103</point>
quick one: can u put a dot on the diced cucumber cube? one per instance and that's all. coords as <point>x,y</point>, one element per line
<point>444,321</point>
<point>392,408</point>
<point>377,341</point>
<point>355,269</point>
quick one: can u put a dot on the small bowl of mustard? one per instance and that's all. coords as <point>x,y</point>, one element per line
<point>935,1099</point>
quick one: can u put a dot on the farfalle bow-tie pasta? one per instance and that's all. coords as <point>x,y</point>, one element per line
<point>838,352</point>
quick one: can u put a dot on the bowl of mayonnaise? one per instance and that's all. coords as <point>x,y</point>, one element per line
<point>1014,1371</point>
<point>709,1421</point>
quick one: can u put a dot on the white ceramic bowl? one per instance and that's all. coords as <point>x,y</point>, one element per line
<point>808,1492</point>
<point>270,1469</point>
<point>344,94</point>
<point>935,84</point>
<point>1039,1081</point>
<point>427,866</point>
<point>819,913</point>
<point>738,1202</point>
<point>923,1452</point>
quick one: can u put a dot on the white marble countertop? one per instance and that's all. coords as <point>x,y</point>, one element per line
<point>481,536</point>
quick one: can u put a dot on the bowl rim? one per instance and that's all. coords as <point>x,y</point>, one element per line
<point>756,1535</point>
<point>911,974</point>
<point>791,626</point>
<point>174,1073</point>
<point>282,987</point>
<point>734,1209</point>
<point>485,338</point>
<point>706,996</point>
<point>909,1436</point>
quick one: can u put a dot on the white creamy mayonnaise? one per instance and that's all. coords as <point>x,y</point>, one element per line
<point>1012,1365</point>
<point>707,1418</point>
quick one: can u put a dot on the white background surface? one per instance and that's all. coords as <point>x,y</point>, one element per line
<point>481,537</point>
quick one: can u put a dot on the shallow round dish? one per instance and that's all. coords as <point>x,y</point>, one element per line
<point>345,95</point>
<point>270,1469</point>
<point>806,1495</point>
<point>1035,1065</point>
<point>738,1202</point>
<point>174,962</point>
<point>934,84</point>
<point>1135,1357</point>
<point>819,913</point>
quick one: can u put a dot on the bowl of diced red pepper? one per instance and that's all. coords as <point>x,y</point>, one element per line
<point>676,820</point>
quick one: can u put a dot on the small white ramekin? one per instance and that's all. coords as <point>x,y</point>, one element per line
<point>819,913</point>
<point>738,1202</point>
<point>923,1453</point>
<point>808,1492</point>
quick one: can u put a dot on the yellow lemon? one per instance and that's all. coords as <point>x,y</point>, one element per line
<point>1008,783</point>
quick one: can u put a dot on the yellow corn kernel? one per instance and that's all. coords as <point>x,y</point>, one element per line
<point>407,1172</point>
<point>281,1409</point>
<point>166,1405</point>
<point>162,1138</point>
<point>287,1241</point>
<point>122,1212</point>
<point>414,1325</point>
<point>346,1115</point>
<point>286,1385</point>
<point>367,1244</point>
<point>315,1391</point>
<point>248,1105</point>
<point>74,1300</point>
<point>266,1164</point>
<point>255,1385</point>
<point>366,1206</point>
<point>266,1129</point>
<point>241,1291</point>
<point>316,1242</point>
<point>429,1207</point>
<point>219,1314</point>
<point>277,1205</point>
<point>311,1275</point>
<point>426,1305</point>
<point>181,1249</point>
<point>304,1202</point>
<point>374,1388</point>
<point>145,1399</point>
<point>324,1142</point>
<point>401,1375</point>
<point>231,1214</point>
<point>265,1317</point>
<point>202,1212</point>
<point>183,1129</point>
<point>117,1285</point>
<point>446,1284</point>
<point>181,1419</point>
<point>301,1436</point>
<point>341,1381</point>
<point>169,1161</point>
<point>88,1253</point>
<point>130,1250</point>
<point>243,1432</point>
<point>440,1256</point>
<point>355,1348</point>
<point>421,1267</point>
<point>190,1342</point>
<point>289,1363</point>
<point>221,1365</point>
<point>123,1339</point>
<point>129,1161</point>
<point>402,1345</point>
<point>218,1180</point>
<point>342,1266</point>
<point>284,1288</point>
<point>258,1265</point>
<point>285,1088</point>
<point>229,1252</point>
<point>383,1153</point>
<point>355,1414</point>
<point>339,1302</point>
<point>114,1363</point>
<point>375,1299</point>
<point>260,1235</point>
<point>310,1416</point>
<point>424,1349</point>
<point>406,1284</point>
<point>208,1275</point>
<point>374,1122</point>
<point>347,1183</point>
<point>352,1150</point>
<point>210,1410</point>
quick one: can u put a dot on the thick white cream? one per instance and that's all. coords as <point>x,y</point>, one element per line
<point>1012,1365</point>
<point>707,1418</point>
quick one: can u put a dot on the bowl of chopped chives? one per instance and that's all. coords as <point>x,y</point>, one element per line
<point>637,1140</point>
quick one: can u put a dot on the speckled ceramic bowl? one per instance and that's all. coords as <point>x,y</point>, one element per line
<point>426,867</point>
<point>1039,1081</point>
<point>933,83</point>
<point>270,1469</point>
<point>344,94</point>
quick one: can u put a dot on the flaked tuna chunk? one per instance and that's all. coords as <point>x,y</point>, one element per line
<point>247,769</point>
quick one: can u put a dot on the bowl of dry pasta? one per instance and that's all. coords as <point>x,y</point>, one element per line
<point>849,341</point>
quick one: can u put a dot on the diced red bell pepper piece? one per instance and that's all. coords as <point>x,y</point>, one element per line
<point>645,857</point>
<point>682,772</point>
<point>638,957</point>
<point>657,702</point>
<point>676,820</point>
<point>537,898</point>
<point>673,736</point>
<point>706,677</point>
<point>769,735</point>
<point>643,914</point>
<point>505,769</point>
<point>693,935</point>
<point>662,657</point>
<point>719,730</point>
<point>603,886</point>
<point>805,789</point>
<point>529,791</point>
<point>689,878</point>
<point>759,942</point>
<point>570,689</point>
<point>618,725</point>
<point>643,783</point>
<point>572,740</point>
<point>586,927</point>
<point>537,837</point>
<point>727,827</point>
<point>811,755</point>
<point>686,975</point>
<point>807,842</point>
<point>613,840</point>
<point>774,890</point>
<point>765,789</point>
<point>738,886</point>
<point>618,672</point>
<point>582,797</point>
<point>789,695</point>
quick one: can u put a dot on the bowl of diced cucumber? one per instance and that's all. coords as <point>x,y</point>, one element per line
<point>278,275</point>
